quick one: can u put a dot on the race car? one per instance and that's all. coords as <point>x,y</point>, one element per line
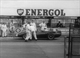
<point>49,33</point>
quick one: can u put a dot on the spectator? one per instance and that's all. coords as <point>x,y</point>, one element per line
<point>77,23</point>
<point>59,24</point>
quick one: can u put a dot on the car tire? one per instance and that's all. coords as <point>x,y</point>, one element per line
<point>51,36</point>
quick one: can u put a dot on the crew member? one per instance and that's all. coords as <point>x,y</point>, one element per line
<point>28,31</point>
<point>33,29</point>
<point>12,27</point>
<point>4,30</point>
<point>43,26</point>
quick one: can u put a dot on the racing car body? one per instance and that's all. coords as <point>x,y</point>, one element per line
<point>49,33</point>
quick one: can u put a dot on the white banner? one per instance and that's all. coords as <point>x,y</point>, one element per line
<point>70,7</point>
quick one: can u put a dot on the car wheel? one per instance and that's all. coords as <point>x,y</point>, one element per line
<point>50,36</point>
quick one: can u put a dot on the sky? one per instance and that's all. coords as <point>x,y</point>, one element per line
<point>9,7</point>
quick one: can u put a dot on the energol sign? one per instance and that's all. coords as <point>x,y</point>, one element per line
<point>41,12</point>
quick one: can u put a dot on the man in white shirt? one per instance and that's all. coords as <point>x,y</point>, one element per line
<point>12,26</point>
<point>28,31</point>
<point>4,30</point>
<point>33,29</point>
<point>43,26</point>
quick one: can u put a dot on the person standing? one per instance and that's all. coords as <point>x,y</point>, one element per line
<point>28,31</point>
<point>33,29</point>
<point>43,26</point>
<point>12,27</point>
<point>4,30</point>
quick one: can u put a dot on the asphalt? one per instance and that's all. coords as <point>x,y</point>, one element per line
<point>15,47</point>
<point>40,49</point>
<point>32,49</point>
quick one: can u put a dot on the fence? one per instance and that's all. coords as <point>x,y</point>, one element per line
<point>72,43</point>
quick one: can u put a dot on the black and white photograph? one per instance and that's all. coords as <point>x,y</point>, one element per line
<point>39,28</point>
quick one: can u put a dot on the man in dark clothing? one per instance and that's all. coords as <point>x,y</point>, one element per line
<point>59,24</point>
<point>77,23</point>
